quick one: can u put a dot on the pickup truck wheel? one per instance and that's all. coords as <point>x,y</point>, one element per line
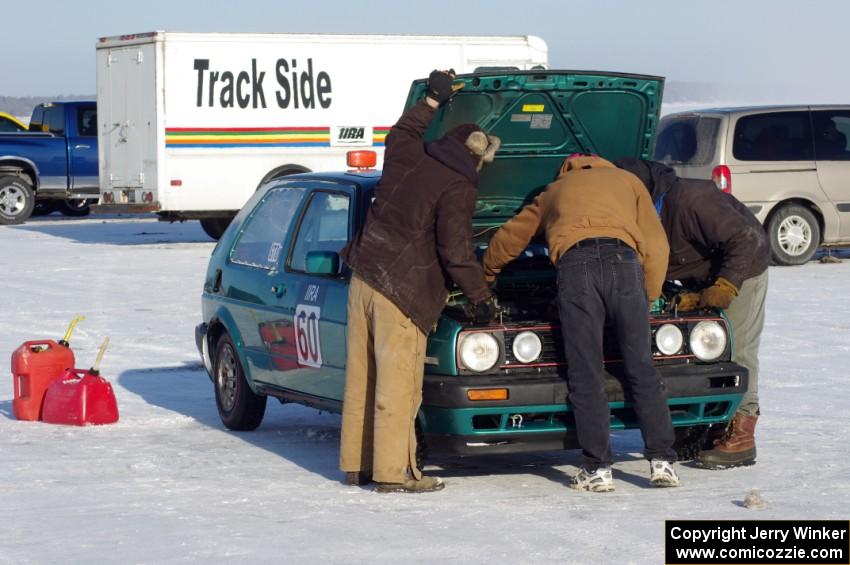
<point>214,227</point>
<point>794,235</point>
<point>238,407</point>
<point>17,200</point>
<point>43,207</point>
<point>76,207</point>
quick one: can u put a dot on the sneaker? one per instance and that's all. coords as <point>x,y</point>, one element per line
<point>662,474</point>
<point>358,478</point>
<point>599,480</point>
<point>425,484</point>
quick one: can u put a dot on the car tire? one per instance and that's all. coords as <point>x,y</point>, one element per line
<point>43,208</point>
<point>691,440</point>
<point>75,207</point>
<point>794,235</point>
<point>214,227</point>
<point>17,200</point>
<point>239,408</point>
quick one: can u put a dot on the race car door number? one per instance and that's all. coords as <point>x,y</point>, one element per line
<point>307,335</point>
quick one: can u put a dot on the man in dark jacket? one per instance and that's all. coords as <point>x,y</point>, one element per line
<point>418,234</point>
<point>718,247</point>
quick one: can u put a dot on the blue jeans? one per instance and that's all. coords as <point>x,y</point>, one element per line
<point>599,280</point>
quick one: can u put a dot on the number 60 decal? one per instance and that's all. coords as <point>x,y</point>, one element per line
<point>307,340</point>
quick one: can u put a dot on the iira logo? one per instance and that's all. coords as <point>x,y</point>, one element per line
<point>354,135</point>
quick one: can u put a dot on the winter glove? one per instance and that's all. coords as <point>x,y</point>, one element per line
<point>440,85</point>
<point>484,311</point>
<point>687,301</point>
<point>718,295</point>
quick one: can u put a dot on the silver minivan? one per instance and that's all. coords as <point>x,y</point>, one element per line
<point>789,164</point>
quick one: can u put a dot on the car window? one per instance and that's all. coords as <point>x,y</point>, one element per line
<point>54,120</point>
<point>262,238</point>
<point>7,125</point>
<point>832,135</point>
<point>323,228</point>
<point>87,122</point>
<point>776,136</point>
<point>687,140</point>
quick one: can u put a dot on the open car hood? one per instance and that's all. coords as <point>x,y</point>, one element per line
<point>542,117</point>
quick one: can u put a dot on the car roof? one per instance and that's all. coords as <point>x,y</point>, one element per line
<point>754,109</point>
<point>366,178</point>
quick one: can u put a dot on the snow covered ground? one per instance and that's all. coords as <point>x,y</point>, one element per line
<point>169,484</point>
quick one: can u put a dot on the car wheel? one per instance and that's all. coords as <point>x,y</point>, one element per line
<point>75,207</point>
<point>214,227</point>
<point>17,200</point>
<point>43,207</point>
<point>239,408</point>
<point>794,235</point>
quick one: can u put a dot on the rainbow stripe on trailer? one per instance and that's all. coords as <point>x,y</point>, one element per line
<point>248,137</point>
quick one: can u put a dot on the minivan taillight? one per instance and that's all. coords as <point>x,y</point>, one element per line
<point>722,177</point>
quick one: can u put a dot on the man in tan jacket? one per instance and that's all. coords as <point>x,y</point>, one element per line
<point>611,253</point>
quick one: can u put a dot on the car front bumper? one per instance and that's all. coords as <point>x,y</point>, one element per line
<point>537,415</point>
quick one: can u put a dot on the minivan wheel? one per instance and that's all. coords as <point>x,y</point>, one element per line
<point>17,200</point>
<point>794,235</point>
<point>238,407</point>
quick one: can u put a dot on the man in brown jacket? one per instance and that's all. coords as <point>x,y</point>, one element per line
<point>718,247</point>
<point>605,239</point>
<point>417,236</point>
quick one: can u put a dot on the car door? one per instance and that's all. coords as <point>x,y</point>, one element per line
<point>832,154</point>
<point>253,280</point>
<point>82,148</point>
<point>312,359</point>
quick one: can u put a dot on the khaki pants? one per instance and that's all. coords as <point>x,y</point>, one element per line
<point>746,316</point>
<point>383,388</point>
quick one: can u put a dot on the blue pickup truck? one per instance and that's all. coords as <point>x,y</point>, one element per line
<point>53,165</point>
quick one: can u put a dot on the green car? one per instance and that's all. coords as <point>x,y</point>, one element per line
<point>275,293</point>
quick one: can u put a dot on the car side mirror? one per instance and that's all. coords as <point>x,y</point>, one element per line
<point>322,263</point>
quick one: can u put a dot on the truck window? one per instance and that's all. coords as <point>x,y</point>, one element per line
<point>262,239</point>
<point>687,140</point>
<point>776,136</point>
<point>87,122</point>
<point>323,228</point>
<point>37,119</point>
<point>54,120</point>
<point>832,135</point>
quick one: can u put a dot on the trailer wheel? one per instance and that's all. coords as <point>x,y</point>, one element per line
<point>17,200</point>
<point>238,407</point>
<point>75,207</point>
<point>214,227</point>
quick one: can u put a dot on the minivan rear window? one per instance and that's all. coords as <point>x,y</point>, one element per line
<point>687,140</point>
<point>775,136</point>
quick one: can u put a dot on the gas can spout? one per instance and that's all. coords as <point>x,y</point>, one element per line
<point>95,368</point>
<point>65,340</point>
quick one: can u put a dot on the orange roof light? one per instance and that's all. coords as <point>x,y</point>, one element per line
<point>361,160</point>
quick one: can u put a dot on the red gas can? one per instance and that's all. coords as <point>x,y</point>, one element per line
<point>35,365</point>
<point>78,398</point>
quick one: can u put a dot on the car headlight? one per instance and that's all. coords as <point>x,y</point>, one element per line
<point>669,339</point>
<point>708,340</point>
<point>527,347</point>
<point>479,351</point>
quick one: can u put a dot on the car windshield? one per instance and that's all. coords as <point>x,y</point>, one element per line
<point>687,140</point>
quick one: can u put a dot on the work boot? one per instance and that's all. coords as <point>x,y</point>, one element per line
<point>425,484</point>
<point>358,478</point>
<point>736,448</point>
<point>599,480</point>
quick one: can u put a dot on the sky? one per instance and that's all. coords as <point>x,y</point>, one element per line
<point>792,50</point>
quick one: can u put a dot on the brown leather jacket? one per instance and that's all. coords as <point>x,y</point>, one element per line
<point>711,233</point>
<point>418,233</point>
<point>590,198</point>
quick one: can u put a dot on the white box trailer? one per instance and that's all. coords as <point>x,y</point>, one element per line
<point>190,124</point>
